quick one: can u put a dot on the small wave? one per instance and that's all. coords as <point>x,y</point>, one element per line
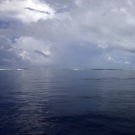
<point>25,68</point>
<point>126,69</point>
<point>79,69</point>
<point>17,69</point>
<point>76,69</point>
<point>129,69</point>
<point>20,69</point>
<point>6,69</point>
<point>62,68</point>
<point>103,79</point>
<point>111,69</point>
<point>91,69</point>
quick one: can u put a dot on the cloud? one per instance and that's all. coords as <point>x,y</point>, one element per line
<point>38,11</point>
<point>118,62</point>
<point>106,23</point>
<point>25,10</point>
<point>74,33</point>
<point>127,62</point>
<point>7,53</point>
<point>35,51</point>
<point>111,59</point>
<point>41,53</point>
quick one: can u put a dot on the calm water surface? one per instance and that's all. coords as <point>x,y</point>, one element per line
<point>67,102</point>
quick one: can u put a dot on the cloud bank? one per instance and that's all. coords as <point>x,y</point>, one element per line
<point>69,34</point>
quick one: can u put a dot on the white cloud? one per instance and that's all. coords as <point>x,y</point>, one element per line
<point>25,10</point>
<point>7,54</point>
<point>110,59</point>
<point>78,2</point>
<point>127,62</point>
<point>106,23</point>
<point>26,47</point>
<point>117,61</point>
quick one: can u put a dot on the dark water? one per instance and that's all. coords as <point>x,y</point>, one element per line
<point>67,102</point>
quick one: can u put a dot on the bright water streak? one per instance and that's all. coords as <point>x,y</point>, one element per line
<point>67,102</point>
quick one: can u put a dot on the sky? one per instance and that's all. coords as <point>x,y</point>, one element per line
<point>67,34</point>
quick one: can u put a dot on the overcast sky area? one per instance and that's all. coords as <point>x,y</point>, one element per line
<point>67,33</point>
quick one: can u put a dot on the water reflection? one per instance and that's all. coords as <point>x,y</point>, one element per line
<point>57,102</point>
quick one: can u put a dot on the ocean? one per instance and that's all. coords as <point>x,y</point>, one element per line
<point>67,102</point>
